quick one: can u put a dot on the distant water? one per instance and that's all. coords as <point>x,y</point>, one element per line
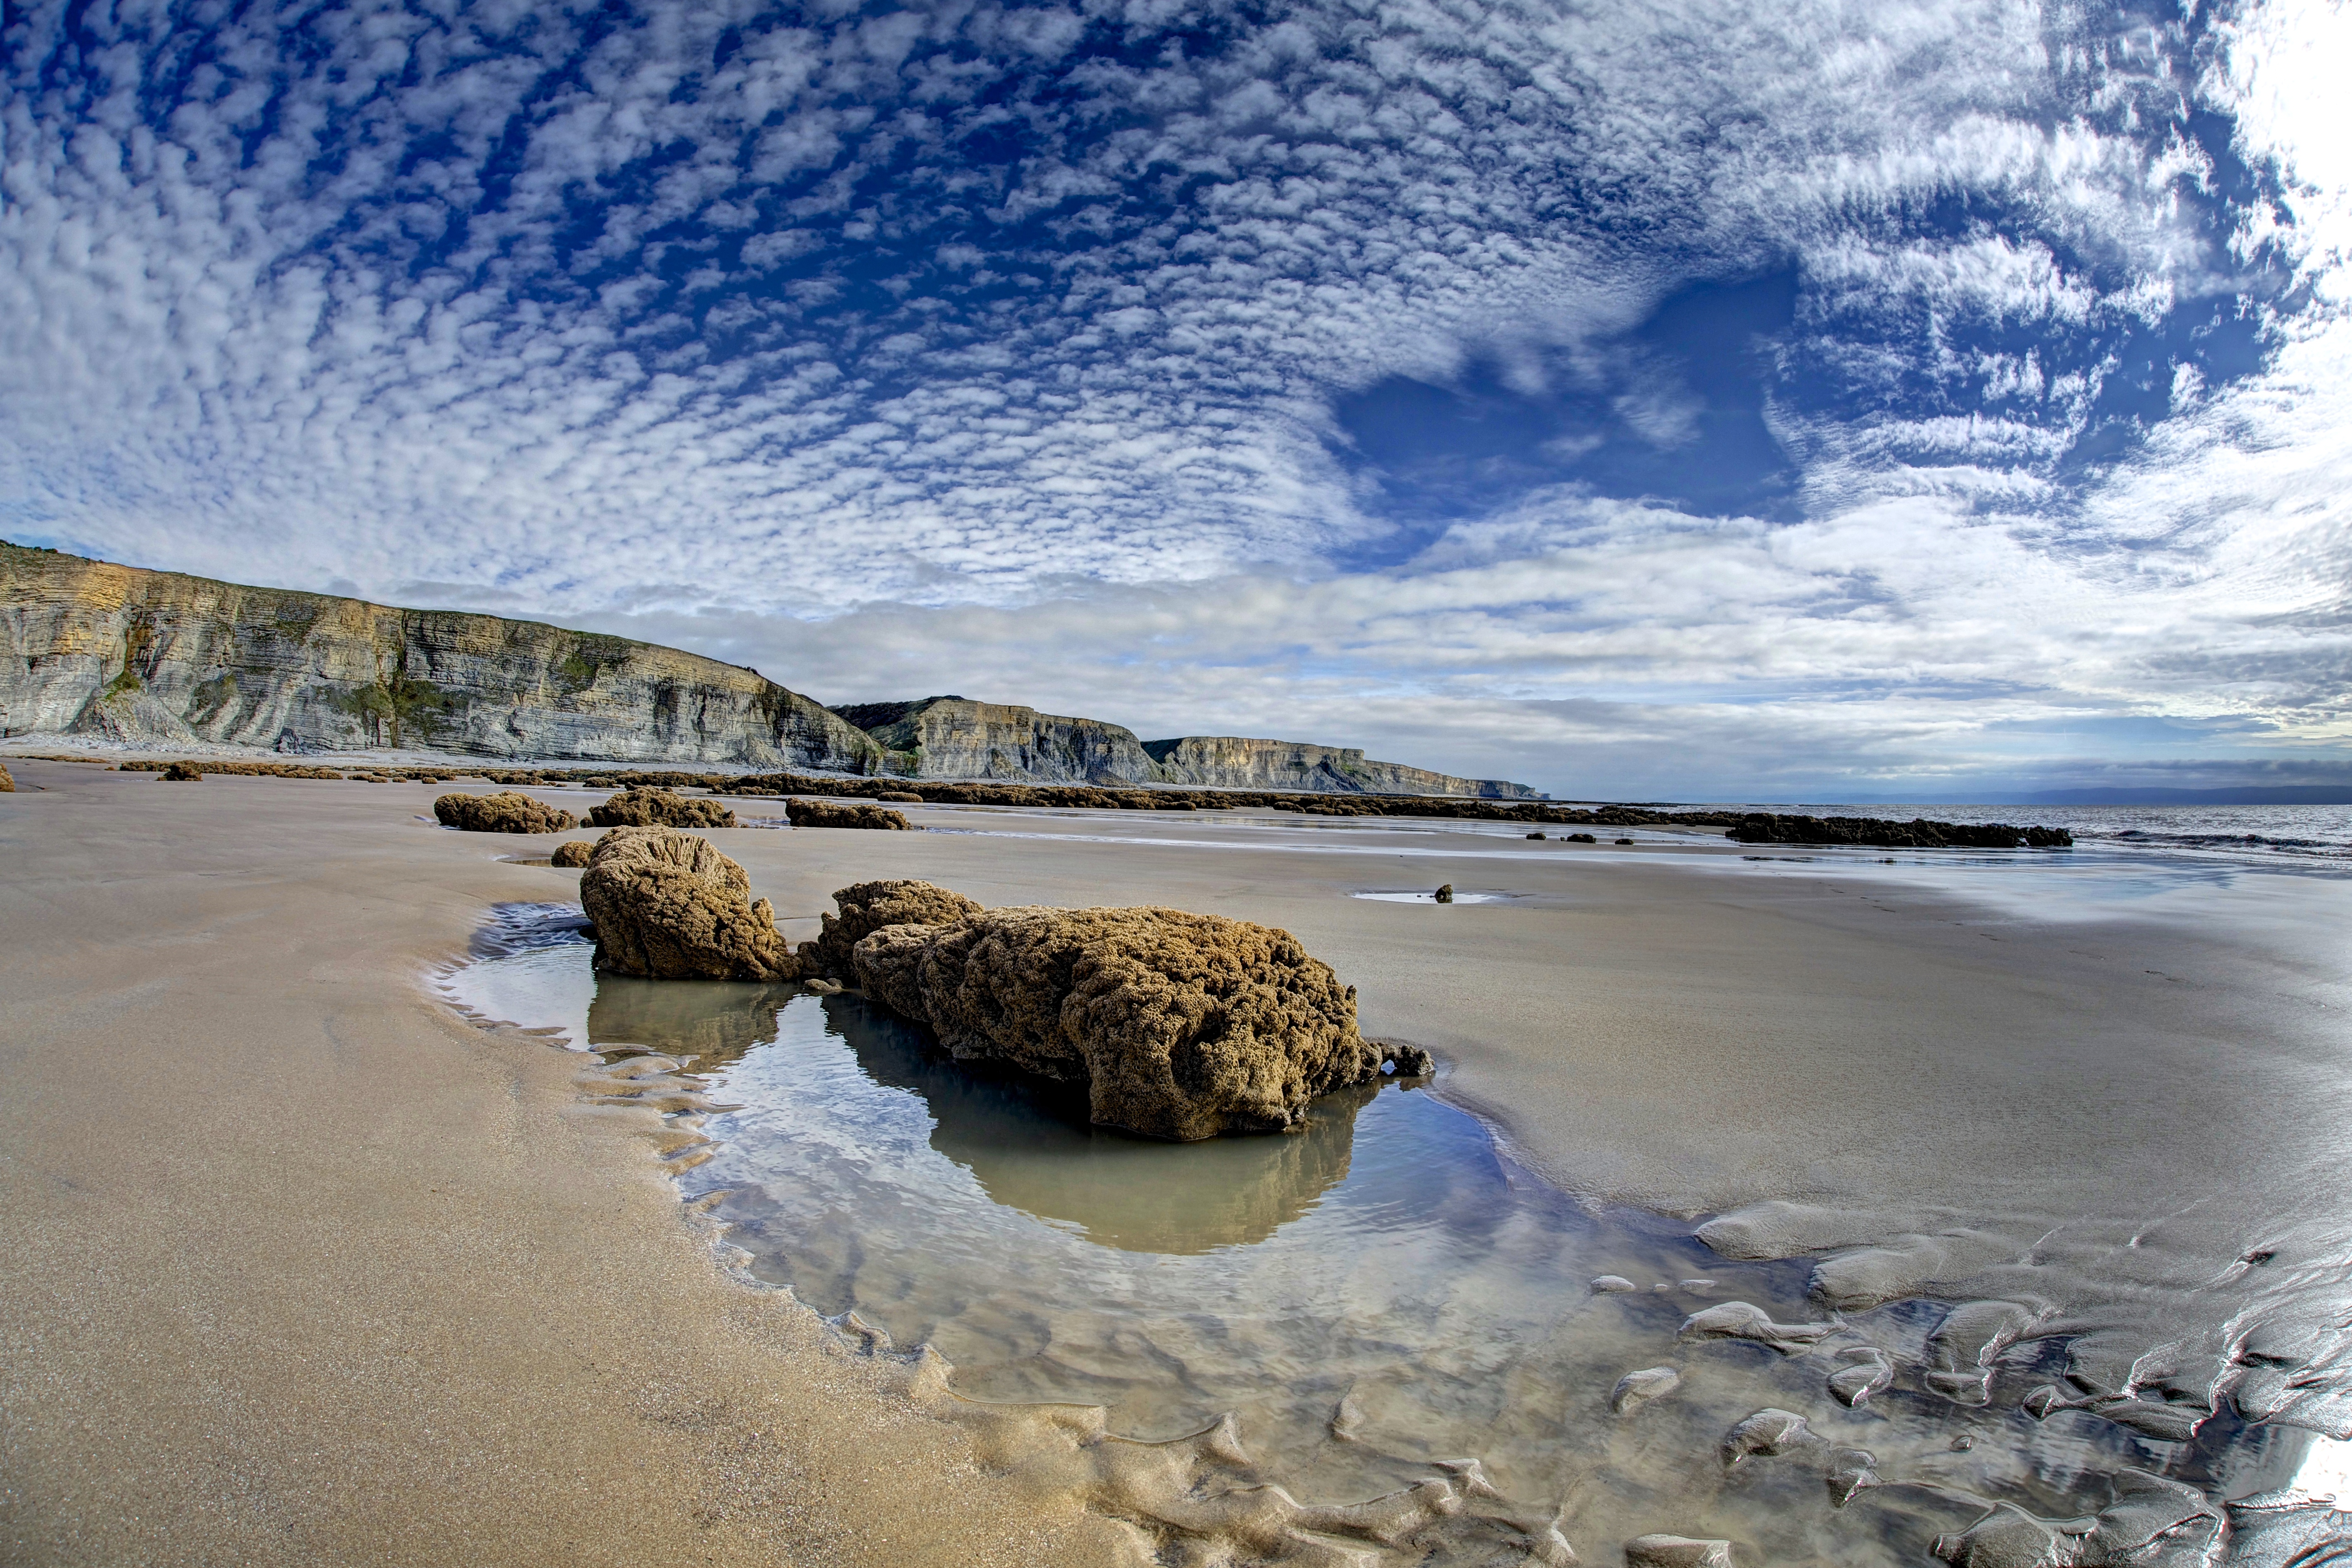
<point>2246,834</point>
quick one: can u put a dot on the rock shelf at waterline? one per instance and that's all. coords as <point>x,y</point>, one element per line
<point>1352,1311</point>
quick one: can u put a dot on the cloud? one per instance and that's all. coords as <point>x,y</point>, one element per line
<point>1930,366</point>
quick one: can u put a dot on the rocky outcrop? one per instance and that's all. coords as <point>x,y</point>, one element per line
<point>957,737</point>
<point>158,659</point>
<point>1233,762</point>
<point>184,773</point>
<point>649,807</point>
<point>1180,1026</point>
<point>867,907</point>
<point>573,856</point>
<point>834,814</point>
<point>1764,827</point>
<point>509,811</point>
<point>668,906</point>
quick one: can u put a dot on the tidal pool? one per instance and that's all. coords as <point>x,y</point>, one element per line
<point>1377,1297</point>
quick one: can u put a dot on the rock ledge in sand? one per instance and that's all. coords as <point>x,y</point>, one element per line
<point>649,807</point>
<point>834,814</point>
<point>509,811</point>
<point>669,906</point>
<point>1180,1026</point>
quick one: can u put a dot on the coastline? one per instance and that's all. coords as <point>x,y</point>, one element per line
<point>1838,1036</point>
<point>305,1269</point>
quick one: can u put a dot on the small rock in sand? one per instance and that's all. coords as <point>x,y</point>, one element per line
<point>668,906</point>
<point>1180,1026</point>
<point>647,807</point>
<point>509,811</point>
<point>1612,1285</point>
<point>573,855</point>
<point>184,773</point>
<point>1446,894</point>
<point>8,784</point>
<point>1535,836</point>
<point>1636,1389</point>
<point>837,814</point>
<point>1676,1551</point>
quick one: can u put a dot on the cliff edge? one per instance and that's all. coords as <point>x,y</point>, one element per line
<point>161,658</point>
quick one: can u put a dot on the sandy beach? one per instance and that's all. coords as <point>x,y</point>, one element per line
<point>309,1267</point>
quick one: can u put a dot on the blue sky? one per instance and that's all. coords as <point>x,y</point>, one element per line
<point>1681,400</point>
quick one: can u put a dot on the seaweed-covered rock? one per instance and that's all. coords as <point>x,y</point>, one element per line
<point>900,797</point>
<point>1919,833</point>
<point>1180,1026</point>
<point>867,907</point>
<point>184,773</point>
<point>838,814</point>
<point>669,906</point>
<point>648,807</point>
<point>509,811</point>
<point>8,784</point>
<point>574,855</point>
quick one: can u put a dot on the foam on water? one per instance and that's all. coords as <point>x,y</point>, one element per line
<point>1385,1295</point>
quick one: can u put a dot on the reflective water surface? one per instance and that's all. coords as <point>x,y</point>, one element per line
<point>1380,1294</point>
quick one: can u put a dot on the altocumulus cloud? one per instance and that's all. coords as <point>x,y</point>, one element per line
<point>1674,399</point>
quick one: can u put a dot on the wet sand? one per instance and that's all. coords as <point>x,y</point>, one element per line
<point>312,1269</point>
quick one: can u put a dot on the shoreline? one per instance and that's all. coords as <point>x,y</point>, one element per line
<point>1648,1036</point>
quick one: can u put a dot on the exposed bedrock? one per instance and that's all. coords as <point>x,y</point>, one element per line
<point>835,813</point>
<point>1764,827</point>
<point>668,906</point>
<point>509,811</point>
<point>1180,1026</point>
<point>867,907</point>
<point>647,807</point>
<point>159,658</point>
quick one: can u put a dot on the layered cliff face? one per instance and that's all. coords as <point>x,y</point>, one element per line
<point>1233,762</point>
<point>956,737</point>
<point>159,658</point>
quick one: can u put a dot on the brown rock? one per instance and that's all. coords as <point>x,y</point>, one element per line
<point>668,906</point>
<point>574,853</point>
<point>836,813</point>
<point>1446,894</point>
<point>8,784</point>
<point>509,811</point>
<point>184,773</point>
<point>866,907</point>
<point>660,809</point>
<point>1180,1026</point>
<point>900,795</point>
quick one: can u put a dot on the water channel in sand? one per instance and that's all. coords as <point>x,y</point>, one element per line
<point>1381,1292</point>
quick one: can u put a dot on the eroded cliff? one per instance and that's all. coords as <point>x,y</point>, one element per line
<point>156,657</point>
<point>957,737</point>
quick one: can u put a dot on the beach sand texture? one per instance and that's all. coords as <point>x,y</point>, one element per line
<point>308,1269</point>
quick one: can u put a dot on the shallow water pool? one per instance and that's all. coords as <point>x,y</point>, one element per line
<point>1381,1294</point>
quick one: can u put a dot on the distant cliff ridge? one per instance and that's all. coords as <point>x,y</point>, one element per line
<point>957,737</point>
<point>159,658</point>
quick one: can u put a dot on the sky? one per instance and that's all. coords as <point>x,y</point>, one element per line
<point>1683,400</point>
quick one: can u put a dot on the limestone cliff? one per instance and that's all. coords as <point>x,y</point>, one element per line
<point>956,737</point>
<point>1232,761</point>
<point>156,657</point>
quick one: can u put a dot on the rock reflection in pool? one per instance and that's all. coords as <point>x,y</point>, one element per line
<point>1376,1295</point>
<point>1031,1148</point>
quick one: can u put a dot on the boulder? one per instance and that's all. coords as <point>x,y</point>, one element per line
<point>574,855</point>
<point>866,907</point>
<point>1446,894</point>
<point>8,784</point>
<point>184,773</point>
<point>669,906</point>
<point>838,814</point>
<point>650,807</point>
<point>1180,1026</point>
<point>509,811</point>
